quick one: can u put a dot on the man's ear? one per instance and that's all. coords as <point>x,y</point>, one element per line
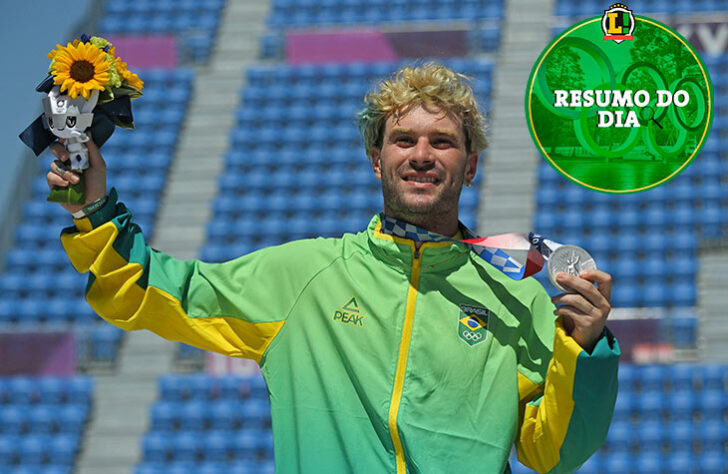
<point>471,167</point>
<point>376,162</point>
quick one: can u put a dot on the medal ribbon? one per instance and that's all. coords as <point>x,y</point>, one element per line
<point>517,255</point>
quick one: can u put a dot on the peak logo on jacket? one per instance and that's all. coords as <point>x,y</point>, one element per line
<point>473,324</point>
<point>349,313</point>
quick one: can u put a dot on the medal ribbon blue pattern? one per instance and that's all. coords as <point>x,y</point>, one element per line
<point>516,255</point>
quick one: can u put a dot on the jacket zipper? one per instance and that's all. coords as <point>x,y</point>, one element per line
<point>404,344</point>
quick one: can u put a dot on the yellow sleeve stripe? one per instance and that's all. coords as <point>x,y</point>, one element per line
<point>86,248</point>
<point>163,315</point>
<point>83,225</point>
<point>117,298</point>
<point>545,425</point>
<point>527,389</point>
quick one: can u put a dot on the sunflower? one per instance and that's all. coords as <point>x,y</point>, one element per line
<point>80,68</point>
<point>128,76</point>
<point>52,54</point>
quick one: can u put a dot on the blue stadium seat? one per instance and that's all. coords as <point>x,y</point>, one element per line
<point>255,414</point>
<point>681,404</point>
<point>655,294</point>
<point>713,376</point>
<point>165,416</point>
<point>681,461</point>
<point>80,390</point>
<point>33,449</point>
<point>23,390</point>
<point>196,416</point>
<point>187,446</point>
<point>684,241</point>
<point>225,415</point>
<point>157,447</point>
<point>653,376</point>
<point>43,419</point>
<point>712,461</point>
<point>8,310</point>
<point>63,448</point>
<point>680,434</point>
<point>621,436</point>
<point>218,446</point>
<point>712,401</point>
<point>650,407</point>
<point>654,268</point>
<point>682,294</point>
<point>628,377</point>
<point>618,462</point>
<point>111,25</point>
<point>105,343</point>
<point>13,420</point>
<point>684,267</point>
<point>651,462</point>
<point>72,417</point>
<point>684,332</point>
<point>681,377</point>
<point>246,444</point>
<point>9,449</point>
<point>624,295</point>
<point>170,387</point>
<point>232,388</point>
<point>161,24</point>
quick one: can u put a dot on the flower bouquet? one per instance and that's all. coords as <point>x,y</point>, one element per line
<point>87,87</point>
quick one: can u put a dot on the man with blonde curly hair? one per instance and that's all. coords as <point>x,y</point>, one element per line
<point>418,115</point>
<point>396,349</point>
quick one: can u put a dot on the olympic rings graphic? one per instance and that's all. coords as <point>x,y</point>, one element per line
<point>701,107</point>
<point>471,336</point>
<point>582,130</point>
<point>662,139</point>
<point>546,95</point>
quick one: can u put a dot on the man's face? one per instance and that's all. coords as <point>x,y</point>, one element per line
<point>423,164</point>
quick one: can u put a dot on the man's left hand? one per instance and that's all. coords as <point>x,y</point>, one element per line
<point>585,311</point>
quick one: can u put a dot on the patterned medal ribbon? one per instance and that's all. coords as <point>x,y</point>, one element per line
<point>517,255</point>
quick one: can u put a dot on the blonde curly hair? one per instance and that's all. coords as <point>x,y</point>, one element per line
<point>429,83</point>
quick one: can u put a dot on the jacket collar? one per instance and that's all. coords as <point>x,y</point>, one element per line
<point>400,251</point>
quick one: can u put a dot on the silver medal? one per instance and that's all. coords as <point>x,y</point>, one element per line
<point>568,259</point>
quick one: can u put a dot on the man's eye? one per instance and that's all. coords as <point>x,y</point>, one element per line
<point>404,141</point>
<point>443,143</point>
<point>71,121</point>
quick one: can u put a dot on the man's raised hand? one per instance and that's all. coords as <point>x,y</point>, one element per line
<point>585,311</point>
<point>95,176</point>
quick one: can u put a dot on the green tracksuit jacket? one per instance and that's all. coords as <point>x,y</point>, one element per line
<point>378,358</point>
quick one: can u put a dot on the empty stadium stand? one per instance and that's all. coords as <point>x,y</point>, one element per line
<point>302,13</point>
<point>42,421</point>
<point>231,416</point>
<point>193,23</point>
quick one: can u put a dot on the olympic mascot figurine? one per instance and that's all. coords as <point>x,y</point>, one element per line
<point>87,87</point>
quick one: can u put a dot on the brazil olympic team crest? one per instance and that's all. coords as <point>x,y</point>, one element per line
<point>473,324</point>
<point>619,102</point>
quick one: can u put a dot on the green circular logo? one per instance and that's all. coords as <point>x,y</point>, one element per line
<point>619,103</point>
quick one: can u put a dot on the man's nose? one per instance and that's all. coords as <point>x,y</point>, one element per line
<point>422,153</point>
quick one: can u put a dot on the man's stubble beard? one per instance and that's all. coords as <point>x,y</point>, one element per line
<point>416,211</point>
